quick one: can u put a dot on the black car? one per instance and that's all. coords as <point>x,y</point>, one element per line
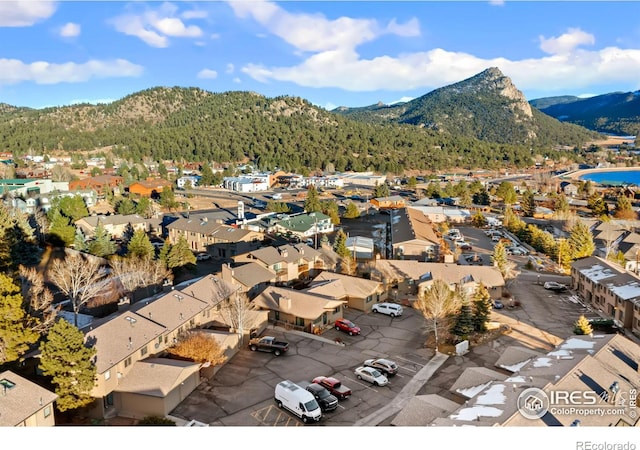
<point>325,399</point>
<point>497,304</point>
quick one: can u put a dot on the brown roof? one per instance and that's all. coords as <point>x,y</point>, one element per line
<point>171,310</point>
<point>23,399</point>
<point>338,285</point>
<point>296,303</point>
<point>157,377</point>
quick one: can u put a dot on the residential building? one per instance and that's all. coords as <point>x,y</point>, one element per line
<point>191,179</point>
<point>413,236</point>
<point>363,179</point>
<point>289,262</point>
<point>610,289</point>
<point>603,369</point>
<point>254,182</point>
<point>303,311</point>
<point>117,225</point>
<point>216,238</point>
<point>251,278</point>
<point>358,293</point>
<point>26,187</point>
<point>23,403</point>
<point>99,184</point>
<point>392,202</point>
<point>361,247</point>
<point>411,278</point>
<point>303,225</point>
<point>149,188</point>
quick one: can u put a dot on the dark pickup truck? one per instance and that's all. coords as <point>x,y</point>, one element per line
<point>334,386</point>
<point>268,344</point>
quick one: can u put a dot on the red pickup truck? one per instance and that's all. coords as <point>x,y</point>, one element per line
<point>334,386</point>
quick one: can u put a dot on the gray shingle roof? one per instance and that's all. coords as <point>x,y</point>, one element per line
<point>22,400</point>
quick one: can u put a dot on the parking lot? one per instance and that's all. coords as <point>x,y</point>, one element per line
<point>242,392</point>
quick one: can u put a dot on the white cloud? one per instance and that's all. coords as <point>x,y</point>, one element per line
<point>70,30</point>
<point>402,100</point>
<point>155,26</point>
<point>237,80</point>
<point>13,71</point>
<point>496,2</point>
<point>230,68</point>
<point>194,14</point>
<point>329,57</point>
<point>409,29</point>
<point>207,74</point>
<point>25,13</point>
<point>567,42</point>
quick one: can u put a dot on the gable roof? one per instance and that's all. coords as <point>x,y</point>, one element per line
<point>302,222</point>
<point>210,289</point>
<point>156,377</point>
<point>409,224</point>
<point>23,399</point>
<point>337,285</point>
<point>170,310</point>
<point>285,253</point>
<point>296,303</point>
<point>114,219</point>
<point>394,269</point>
<point>252,273</point>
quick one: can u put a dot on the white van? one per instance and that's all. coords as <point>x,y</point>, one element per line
<point>299,401</point>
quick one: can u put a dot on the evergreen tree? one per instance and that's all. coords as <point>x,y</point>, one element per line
<point>180,255</point>
<point>528,204</point>
<point>140,246</point>
<point>463,324</point>
<point>561,204</point>
<point>624,210</point>
<point>479,220</point>
<point>482,197</point>
<point>163,255</point>
<point>206,175</point>
<point>481,308</point>
<point>61,232</point>
<point>72,207</point>
<point>144,207</point>
<point>465,199</point>
<point>340,244</point>
<point>507,193</point>
<point>597,205</point>
<point>102,243</point>
<point>312,202</point>
<point>582,326</point>
<point>324,240</point>
<point>80,241</point>
<point>581,241</point>
<point>352,211</point>
<point>330,208</point>
<point>125,206</point>
<point>499,258</point>
<point>412,182</point>
<point>381,190</point>
<point>564,255</point>
<point>168,199</point>
<point>68,361</point>
<point>16,332</point>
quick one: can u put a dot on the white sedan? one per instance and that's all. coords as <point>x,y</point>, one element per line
<point>373,376</point>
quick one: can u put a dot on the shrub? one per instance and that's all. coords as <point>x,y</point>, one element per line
<point>157,421</point>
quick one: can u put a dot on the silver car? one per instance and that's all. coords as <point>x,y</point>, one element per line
<point>390,309</point>
<point>373,376</point>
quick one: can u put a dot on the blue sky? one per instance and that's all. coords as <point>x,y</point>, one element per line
<point>336,53</point>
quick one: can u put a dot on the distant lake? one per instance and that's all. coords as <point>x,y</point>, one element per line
<point>614,178</point>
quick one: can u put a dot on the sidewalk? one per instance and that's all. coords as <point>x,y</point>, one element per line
<point>408,392</point>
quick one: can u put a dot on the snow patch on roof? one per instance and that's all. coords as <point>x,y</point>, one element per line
<point>493,396</point>
<point>475,412</point>
<point>577,343</point>
<point>542,362</point>
<point>471,392</point>
<point>598,272</point>
<point>626,291</point>
<point>516,379</point>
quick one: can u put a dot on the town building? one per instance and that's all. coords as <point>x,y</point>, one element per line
<point>23,403</point>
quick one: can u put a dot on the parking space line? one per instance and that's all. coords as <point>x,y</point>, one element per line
<point>408,360</point>
<point>361,384</point>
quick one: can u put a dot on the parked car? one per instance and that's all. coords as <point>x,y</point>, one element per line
<point>386,366</point>
<point>268,344</point>
<point>553,286</point>
<point>334,386</point>
<point>390,309</point>
<point>347,326</point>
<point>464,245</point>
<point>373,376</point>
<point>326,400</point>
<point>202,256</point>
<point>497,304</point>
<point>516,251</point>
<point>300,402</point>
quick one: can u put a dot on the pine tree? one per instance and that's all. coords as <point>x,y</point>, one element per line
<point>16,333</point>
<point>140,246</point>
<point>481,308</point>
<point>463,321</point>
<point>125,206</point>
<point>144,208</point>
<point>561,204</point>
<point>330,208</point>
<point>479,220</point>
<point>61,232</point>
<point>340,244</point>
<point>180,255</point>
<point>352,211</point>
<point>312,202</point>
<point>102,244</point>
<point>68,361</point>
<point>206,175</point>
<point>582,326</point>
<point>163,255</point>
<point>624,210</point>
<point>80,241</point>
<point>381,190</point>
<point>528,204</point>
<point>581,241</point>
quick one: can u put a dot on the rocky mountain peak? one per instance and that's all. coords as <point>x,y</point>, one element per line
<point>493,80</point>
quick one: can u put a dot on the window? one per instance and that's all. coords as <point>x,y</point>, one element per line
<point>337,310</point>
<point>107,375</point>
<point>127,362</point>
<point>47,410</point>
<point>369,299</point>
<point>143,351</point>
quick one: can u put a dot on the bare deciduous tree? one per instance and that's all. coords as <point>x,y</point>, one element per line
<point>39,298</point>
<point>235,313</point>
<point>136,273</point>
<point>436,304</point>
<point>80,278</point>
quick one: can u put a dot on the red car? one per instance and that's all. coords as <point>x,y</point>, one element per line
<point>347,326</point>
